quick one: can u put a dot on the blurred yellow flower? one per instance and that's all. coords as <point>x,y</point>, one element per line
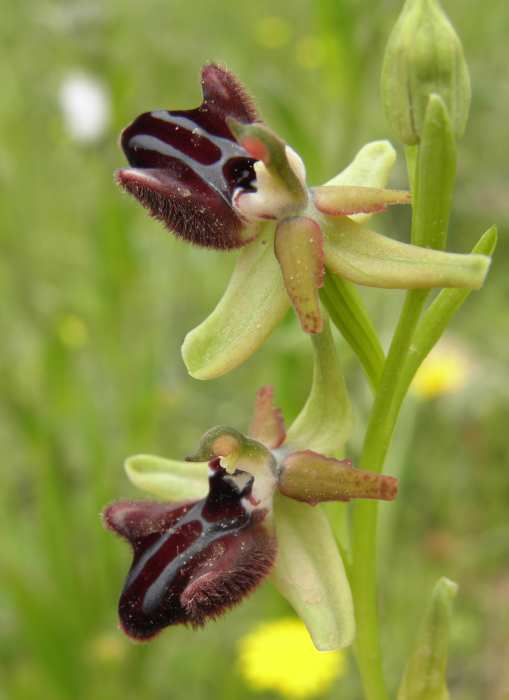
<point>446,370</point>
<point>272,32</point>
<point>73,331</point>
<point>108,648</point>
<point>280,656</point>
<point>309,52</point>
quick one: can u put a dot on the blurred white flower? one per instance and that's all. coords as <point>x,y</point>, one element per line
<point>85,104</point>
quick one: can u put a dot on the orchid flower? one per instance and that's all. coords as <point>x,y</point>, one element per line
<point>218,177</point>
<point>243,507</point>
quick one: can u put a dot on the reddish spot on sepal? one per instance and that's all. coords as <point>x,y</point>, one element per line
<point>192,561</point>
<point>256,148</point>
<point>186,164</point>
<point>268,424</point>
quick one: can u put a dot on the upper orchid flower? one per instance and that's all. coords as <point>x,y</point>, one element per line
<point>218,177</point>
<point>241,508</point>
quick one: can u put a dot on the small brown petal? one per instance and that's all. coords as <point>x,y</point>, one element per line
<point>268,425</point>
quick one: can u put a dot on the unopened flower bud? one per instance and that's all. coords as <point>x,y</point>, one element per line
<point>424,56</point>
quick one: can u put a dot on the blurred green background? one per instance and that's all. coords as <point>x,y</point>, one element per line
<point>96,299</point>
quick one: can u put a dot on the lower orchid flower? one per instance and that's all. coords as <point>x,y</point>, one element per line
<point>218,177</point>
<point>244,507</point>
<point>193,559</point>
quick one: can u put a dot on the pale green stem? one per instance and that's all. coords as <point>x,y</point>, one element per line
<point>364,521</point>
<point>431,169</point>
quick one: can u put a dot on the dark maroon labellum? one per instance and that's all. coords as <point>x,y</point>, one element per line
<point>186,165</point>
<point>192,561</point>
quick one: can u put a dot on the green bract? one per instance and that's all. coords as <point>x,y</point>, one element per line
<point>425,675</point>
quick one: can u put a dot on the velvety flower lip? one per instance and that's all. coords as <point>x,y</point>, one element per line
<point>193,560</point>
<point>187,165</point>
